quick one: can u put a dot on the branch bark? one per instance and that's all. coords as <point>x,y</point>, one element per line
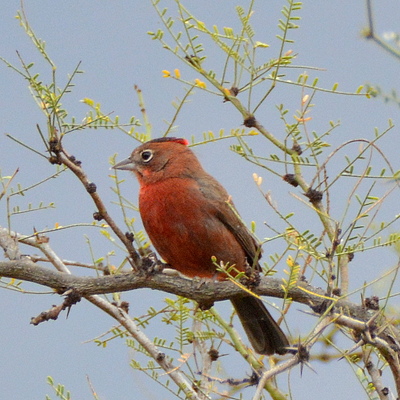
<point>195,289</point>
<point>198,290</point>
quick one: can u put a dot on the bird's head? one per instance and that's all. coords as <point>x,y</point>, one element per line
<point>160,159</point>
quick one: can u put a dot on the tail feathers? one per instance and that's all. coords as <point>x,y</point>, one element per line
<point>263,332</point>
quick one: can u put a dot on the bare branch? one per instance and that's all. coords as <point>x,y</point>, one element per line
<point>9,244</point>
<point>375,374</point>
<point>348,313</point>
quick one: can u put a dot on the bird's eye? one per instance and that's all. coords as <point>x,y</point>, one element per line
<point>146,155</point>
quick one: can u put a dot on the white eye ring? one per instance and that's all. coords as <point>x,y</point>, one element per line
<point>146,155</point>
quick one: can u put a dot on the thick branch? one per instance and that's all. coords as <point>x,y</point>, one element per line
<point>198,290</point>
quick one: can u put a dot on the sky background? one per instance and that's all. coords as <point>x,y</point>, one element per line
<point>110,40</point>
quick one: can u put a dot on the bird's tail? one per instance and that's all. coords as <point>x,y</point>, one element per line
<point>264,333</point>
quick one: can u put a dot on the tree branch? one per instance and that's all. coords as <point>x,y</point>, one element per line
<point>198,290</point>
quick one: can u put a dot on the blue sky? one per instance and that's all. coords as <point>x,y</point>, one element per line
<point>110,40</point>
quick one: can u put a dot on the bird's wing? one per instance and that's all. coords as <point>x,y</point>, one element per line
<point>225,211</point>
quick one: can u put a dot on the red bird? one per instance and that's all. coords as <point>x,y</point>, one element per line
<point>189,218</point>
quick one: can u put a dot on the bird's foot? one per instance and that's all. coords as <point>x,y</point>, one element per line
<point>151,265</point>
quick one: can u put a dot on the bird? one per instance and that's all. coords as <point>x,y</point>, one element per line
<point>192,222</point>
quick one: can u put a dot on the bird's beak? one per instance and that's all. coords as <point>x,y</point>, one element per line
<point>126,164</point>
